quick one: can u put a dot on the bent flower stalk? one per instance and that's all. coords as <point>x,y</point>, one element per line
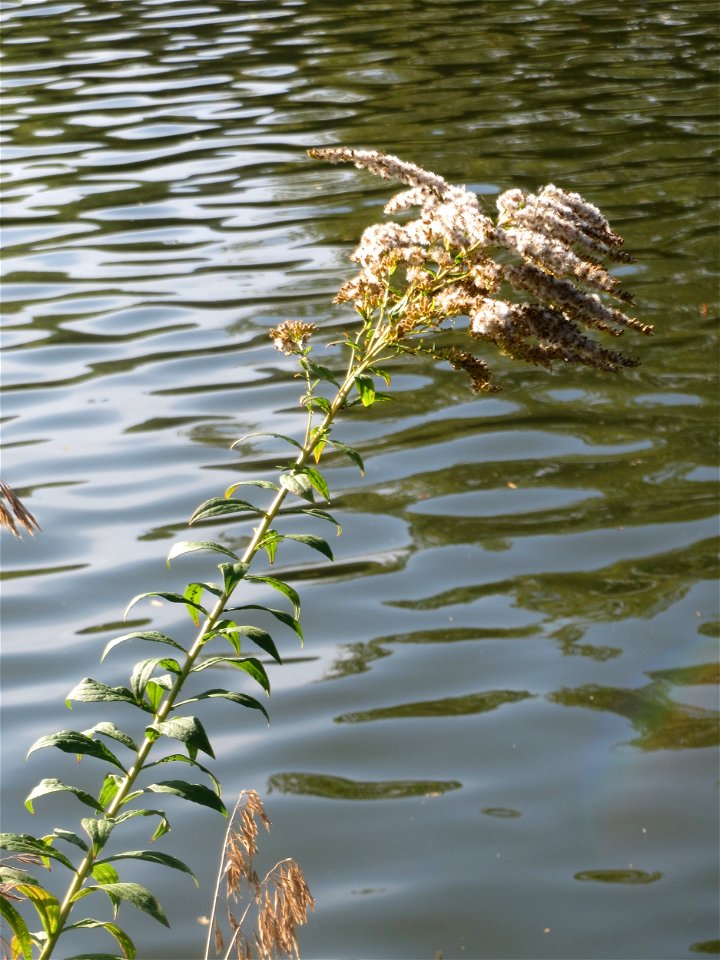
<point>530,282</point>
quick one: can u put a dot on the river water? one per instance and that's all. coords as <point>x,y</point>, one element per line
<point>499,740</point>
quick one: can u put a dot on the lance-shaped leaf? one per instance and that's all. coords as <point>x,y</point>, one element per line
<point>193,546</point>
<point>71,741</point>
<point>98,830</point>
<point>123,940</point>
<point>282,587</point>
<point>154,636</point>
<point>111,785</point>
<point>106,873</point>
<point>93,691</point>
<point>266,484</point>
<point>317,543</point>
<point>259,637</point>
<point>24,843</point>
<point>183,758</point>
<point>108,729</point>
<point>153,856</point>
<point>280,615</point>
<point>240,698</point>
<point>12,876</point>
<point>297,482</point>
<point>366,389</point>
<point>249,664</point>
<point>320,372</point>
<point>220,507</point>
<point>350,453</point>
<point>269,543</point>
<point>169,596</point>
<point>143,670</point>
<point>195,792</point>
<point>46,905</point>
<point>189,730</point>
<point>55,786</point>
<point>315,512</point>
<point>132,893</point>
<point>162,828</point>
<point>23,946</point>
<point>232,573</point>
<point>318,481</point>
<point>263,433</point>
<point>67,835</point>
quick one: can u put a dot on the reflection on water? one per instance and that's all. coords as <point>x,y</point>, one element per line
<point>619,876</point>
<point>340,788</point>
<point>662,723</point>
<point>550,547</point>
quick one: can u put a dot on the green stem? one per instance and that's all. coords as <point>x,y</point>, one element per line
<point>355,368</point>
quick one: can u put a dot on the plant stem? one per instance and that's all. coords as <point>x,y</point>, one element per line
<point>356,366</point>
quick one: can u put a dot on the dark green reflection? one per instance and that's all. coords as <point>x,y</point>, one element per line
<point>710,947</point>
<point>619,876</point>
<point>449,707</point>
<point>662,723</point>
<point>340,788</point>
<point>356,657</point>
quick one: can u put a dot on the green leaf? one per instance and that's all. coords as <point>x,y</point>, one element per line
<point>19,930</point>
<point>89,690</point>
<point>111,785</point>
<point>153,856</point>
<point>104,873</point>
<point>71,741</point>
<point>55,786</point>
<point>133,893</point>
<point>170,597</point>
<point>195,792</point>
<point>317,543</point>
<point>15,875</point>
<point>318,481</point>
<point>380,372</point>
<point>193,594</point>
<point>366,389</point>
<point>321,403</point>
<point>108,729</point>
<point>99,831</point>
<point>143,671</point>
<point>280,615</point>
<point>123,940</point>
<point>24,843</point>
<point>154,636</point>
<point>350,453</point>
<point>278,436</point>
<point>183,758</point>
<point>162,828</point>
<point>192,546</point>
<point>321,372</point>
<point>189,730</point>
<point>269,544</point>
<point>221,507</point>
<point>242,699</point>
<point>249,664</point>
<point>67,835</point>
<point>155,690</point>
<point>232,574</point>
<point>257,636</point>
<point>282,587</point>
<point>299,483</point>
<point>266,484</point>
<point>315,512</point>
<point>46,905</point>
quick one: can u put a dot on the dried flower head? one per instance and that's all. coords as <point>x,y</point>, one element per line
<point>528,283</point>
<point>291,336</point>
<point>14,516</point>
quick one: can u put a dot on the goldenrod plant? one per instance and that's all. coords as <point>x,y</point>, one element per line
<point>532,282</point>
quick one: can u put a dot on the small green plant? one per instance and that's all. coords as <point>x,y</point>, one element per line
<point>529,282</point>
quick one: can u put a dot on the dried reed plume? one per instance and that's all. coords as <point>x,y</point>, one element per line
<point>14,516</point>
<point>531,282</point>
<point>281,899</point>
